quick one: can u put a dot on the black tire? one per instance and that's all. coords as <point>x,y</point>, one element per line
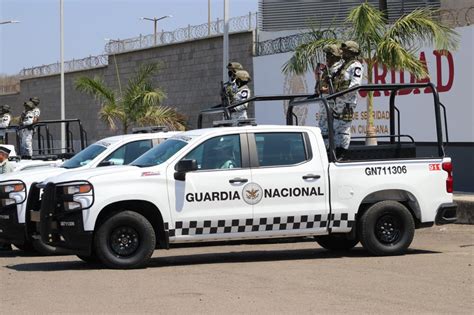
<point>125,241</point>
<point>336,242</point>
<point>386,228</point>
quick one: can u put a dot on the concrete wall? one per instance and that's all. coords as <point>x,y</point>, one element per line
<point>190,75</point>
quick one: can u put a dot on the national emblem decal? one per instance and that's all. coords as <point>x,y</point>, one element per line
<point>252,193</point>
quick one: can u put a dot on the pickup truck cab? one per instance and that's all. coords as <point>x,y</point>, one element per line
<point>235,183</point>
<point>15,187</point>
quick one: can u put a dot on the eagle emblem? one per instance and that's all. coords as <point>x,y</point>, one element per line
<point>252,194</point>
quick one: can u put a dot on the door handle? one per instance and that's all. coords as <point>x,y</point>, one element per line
<point>311,176</point>
<point>238,180</point>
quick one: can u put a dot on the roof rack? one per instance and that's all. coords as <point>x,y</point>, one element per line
<point>235,123</point>
<point>149,129</point>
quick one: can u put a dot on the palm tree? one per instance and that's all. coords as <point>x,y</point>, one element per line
<point>394,46</point>
<point>139,104</point>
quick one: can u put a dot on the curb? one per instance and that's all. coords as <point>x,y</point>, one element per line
<point>465,212</point>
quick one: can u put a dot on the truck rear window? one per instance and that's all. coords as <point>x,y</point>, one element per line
<point>280,148</point>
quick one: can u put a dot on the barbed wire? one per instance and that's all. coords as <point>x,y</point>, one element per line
<point>191,32</point>
<point>452,18</point>
<point>69,66</point>
<point>458,17</point>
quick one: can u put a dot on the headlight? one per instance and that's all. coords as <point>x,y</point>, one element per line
<point>77,189</point>
<point>12,193</point>
<point>77,196</point>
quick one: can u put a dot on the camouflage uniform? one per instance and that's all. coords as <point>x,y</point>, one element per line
<point>332,52</point>
<point>5,119</point>
<point>26,134</point>
<point>230,87</point>
<point>349,76</point>
<point>36,111</point>
<point>242,77</point>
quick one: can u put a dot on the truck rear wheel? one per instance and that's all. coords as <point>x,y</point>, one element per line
<point>386,228</point>
<point>125,241</point>
<point>336,242</point>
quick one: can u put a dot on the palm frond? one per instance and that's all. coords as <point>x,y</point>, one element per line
<point>163,116</point>
<point>144,74</point>
<point>95,87</point>
<point>393,55</point>
<point>367,23</point>
<point>307,56</point>
<point>420,28</point>
<point>110,113</point>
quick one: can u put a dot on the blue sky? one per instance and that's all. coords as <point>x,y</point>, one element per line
<point>35,41</point>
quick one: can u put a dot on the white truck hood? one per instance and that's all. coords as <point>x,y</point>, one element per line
<point>94,172</point>
<point>34,175</point>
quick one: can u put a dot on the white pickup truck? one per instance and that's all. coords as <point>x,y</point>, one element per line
<point>15,187</point>
<point>247,182</point>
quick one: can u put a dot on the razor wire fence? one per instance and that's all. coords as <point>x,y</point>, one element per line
<point>191,32</point>
<point>69,66</point>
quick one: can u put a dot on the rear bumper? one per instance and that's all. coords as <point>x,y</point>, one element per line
<point>446,213</point>
<point>10,230</point>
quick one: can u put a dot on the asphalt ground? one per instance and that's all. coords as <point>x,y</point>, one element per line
<point>435,276</point>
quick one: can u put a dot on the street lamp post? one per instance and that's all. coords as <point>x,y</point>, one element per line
<point>155,21</point>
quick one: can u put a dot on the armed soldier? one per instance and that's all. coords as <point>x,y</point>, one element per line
<point>5,119</point>
<point>324,83</point>
<point>26,134</point>
<point>36,111</point>
<point>242,78</point>
<point>349,76</point>
<point>230,87</point>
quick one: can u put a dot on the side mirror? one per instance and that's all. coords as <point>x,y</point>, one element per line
<point>184,166</point>
<point>105,163</point>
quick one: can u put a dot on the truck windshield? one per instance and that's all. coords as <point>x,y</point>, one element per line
<point>160,154</point>
<point>84,157</point>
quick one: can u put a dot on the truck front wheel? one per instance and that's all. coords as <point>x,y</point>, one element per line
<point>126,240</point>
<point>336,242</point>
<point>386,228</point>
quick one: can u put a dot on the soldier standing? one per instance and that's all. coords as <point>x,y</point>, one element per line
<point>5,166</point>
<point>36,111</point>
<point>324,85</point>
<point>26,134</point>
<point>349,76</point>
<point>5,119</point>
<point>242,78</point>
<point>230,88</point>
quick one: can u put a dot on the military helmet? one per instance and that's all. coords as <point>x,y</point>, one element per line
<point>5,108</point>
<point>35,100</point>
<point>332,49</point>
<point>351,45</point>
<point>243,75</point>
<point>234,66</point>
<point>29,105</point>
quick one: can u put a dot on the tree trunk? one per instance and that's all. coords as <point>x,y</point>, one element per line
<point>370,130</point>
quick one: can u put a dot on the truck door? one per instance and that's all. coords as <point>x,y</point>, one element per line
<point>288,189</point>
<point>208,203</point>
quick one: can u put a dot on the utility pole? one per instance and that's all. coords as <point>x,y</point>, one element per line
<point>208,17</point>
<point>225,57</point>
<point>63,106</point>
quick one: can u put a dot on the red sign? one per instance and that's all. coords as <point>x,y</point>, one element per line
<point>435,167</point>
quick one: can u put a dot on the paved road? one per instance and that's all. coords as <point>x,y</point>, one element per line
<point>436,276</point>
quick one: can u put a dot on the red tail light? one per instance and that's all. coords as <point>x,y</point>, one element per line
<point>448,167</point>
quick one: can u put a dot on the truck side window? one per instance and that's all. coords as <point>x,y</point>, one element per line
<point>129,152</point>
<point>280,148</point>
<point>222,152</point>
